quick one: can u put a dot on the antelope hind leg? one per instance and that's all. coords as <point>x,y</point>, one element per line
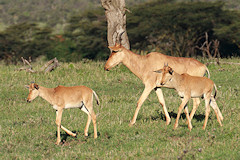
<point>188,118</point>
<point>214,105</point>
<point>207,105</point>
<point>196,102</point>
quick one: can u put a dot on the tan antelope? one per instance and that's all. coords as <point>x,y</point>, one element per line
<point>63,97</point>
<point>144,65</point>
<point>190,86</point>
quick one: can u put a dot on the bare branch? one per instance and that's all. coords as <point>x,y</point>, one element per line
<point>210,48</point>
<point>26,68</point>
<point>48,67</point>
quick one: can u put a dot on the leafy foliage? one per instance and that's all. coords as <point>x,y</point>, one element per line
<point>25,39</point>
<point>89,31</point>
<point>177,28</point>
<point>50,12</point>
<point>166,26</point>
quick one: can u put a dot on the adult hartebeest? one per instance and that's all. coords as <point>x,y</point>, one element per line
<point>144,65</point>
<point>191,86</point>
<point>63,97</point>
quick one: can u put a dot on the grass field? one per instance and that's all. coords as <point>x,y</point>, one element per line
<point>28,130</point>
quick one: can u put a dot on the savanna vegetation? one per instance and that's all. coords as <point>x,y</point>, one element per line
<point>174,28</point>
<point>28,130</point>
<point>75,31</point>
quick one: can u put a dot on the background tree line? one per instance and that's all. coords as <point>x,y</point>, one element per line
<point>174,28</point>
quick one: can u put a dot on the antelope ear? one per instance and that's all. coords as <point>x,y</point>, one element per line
<point>26,86</point>
<point>158,71</point>
<point>110,47</point>
<point>36,86</point>
<point>118,45</point>
<point>113,48</point>
<point>171,71</point>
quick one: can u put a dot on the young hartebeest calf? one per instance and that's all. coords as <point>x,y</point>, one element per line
<point>144,65</point>
<point>63,97</point>
<point>191,86</point>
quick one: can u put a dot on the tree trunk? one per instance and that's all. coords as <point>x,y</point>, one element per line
<point>116,19</point>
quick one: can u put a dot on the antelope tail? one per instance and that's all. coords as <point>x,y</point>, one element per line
<point>215,90</point>
<point>208,72</point>
<point>96,97</point>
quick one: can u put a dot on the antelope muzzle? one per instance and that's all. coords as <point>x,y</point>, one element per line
<point>106,69</point>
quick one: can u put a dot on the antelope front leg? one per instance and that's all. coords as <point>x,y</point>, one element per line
<point>143,97</point>
<point>162,102</point>
<point>66,130</point>
<point>184,102</point>
<point>58,122</point>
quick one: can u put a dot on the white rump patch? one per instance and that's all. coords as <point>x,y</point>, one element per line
<point>80,105</point>
<point>69,105</point>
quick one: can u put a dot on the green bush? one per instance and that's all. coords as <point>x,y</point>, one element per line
<point>64,51</point>
<point>177,28</point>
<point>89,33</point>
<point>166,26</point>
<point>24,40</point>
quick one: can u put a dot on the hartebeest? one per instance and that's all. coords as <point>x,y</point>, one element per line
<point>63,97</point>
<point>144,65</point>
<point>190,86</point>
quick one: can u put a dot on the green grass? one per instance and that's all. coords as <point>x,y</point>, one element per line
<point>28,131</point>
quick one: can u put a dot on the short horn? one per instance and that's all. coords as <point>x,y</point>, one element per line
<point>119,37</point>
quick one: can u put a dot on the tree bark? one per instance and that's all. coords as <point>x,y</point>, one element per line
<point>116,19</point>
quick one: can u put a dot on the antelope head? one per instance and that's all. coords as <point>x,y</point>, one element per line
<point>115,57</point>
<point>33,91</point>
<point>166,74</point>
<point>117,54</point>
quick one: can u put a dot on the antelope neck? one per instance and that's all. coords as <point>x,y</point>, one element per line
<point>47,94</point>
<point>134,63</point>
